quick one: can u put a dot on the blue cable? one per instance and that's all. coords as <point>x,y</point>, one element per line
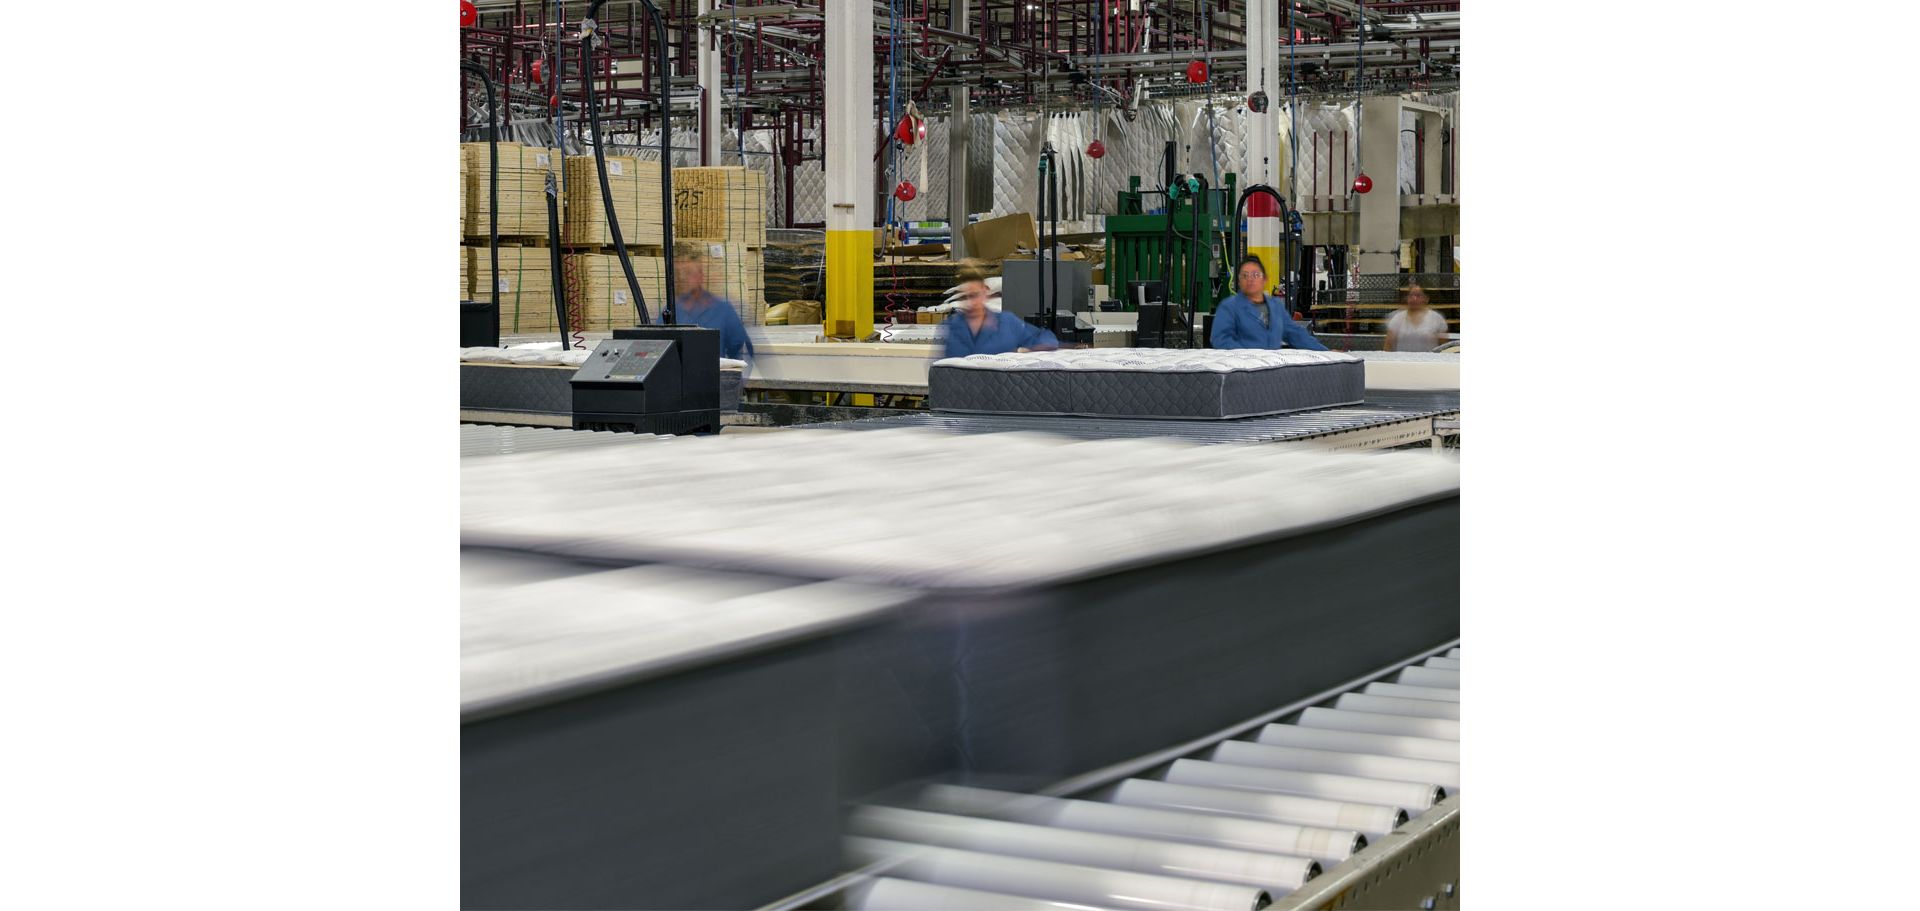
<point>893,99</point>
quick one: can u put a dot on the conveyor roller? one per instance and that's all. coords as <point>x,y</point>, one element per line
<point>1293,735</point>
<point>1232,823</point>
<point>1402,691</point>
<point>1377,723</point>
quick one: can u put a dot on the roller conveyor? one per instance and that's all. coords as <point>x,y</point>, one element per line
<point>1386,858</point>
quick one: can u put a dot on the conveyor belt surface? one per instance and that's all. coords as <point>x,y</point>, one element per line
<point>1230,826</point>
<point>1377,410</point>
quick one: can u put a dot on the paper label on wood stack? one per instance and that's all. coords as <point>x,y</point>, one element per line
<point>542,159</point>
<point>619,297</point>
<point>616,169</point>
<point>717,251</point>
<point>506,284</point>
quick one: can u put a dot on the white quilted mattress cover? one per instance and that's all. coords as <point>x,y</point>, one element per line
<point>1148,360</point>
<point>755,503</point>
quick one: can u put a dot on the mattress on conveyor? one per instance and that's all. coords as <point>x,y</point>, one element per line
<point>1148,382</point>
<point>740,650</point>
<point>754,503</point>
<point>1411,370</point>
<point>630,731</point>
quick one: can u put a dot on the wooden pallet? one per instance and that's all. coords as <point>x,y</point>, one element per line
<point>508,240</point>
<point>650,250</point>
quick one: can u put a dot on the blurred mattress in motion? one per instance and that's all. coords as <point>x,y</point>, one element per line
<point>682,658</point>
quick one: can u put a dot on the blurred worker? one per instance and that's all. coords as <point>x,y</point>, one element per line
<point>1255,319</point>
<point>694,305</point>
<point>974,329</point>
<point>1416,326</point>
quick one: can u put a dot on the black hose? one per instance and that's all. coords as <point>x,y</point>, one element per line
<point>1196,275</point>
<point>1053,241</point>
<point>1291,281</point>
<point>600,165</point>
<point>493,181</point>
<point>553,254</point>
<point>1166,249</point>
<point>671,309</point>
<point>1047,267</point>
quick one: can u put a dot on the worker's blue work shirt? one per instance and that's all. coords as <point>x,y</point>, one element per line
<point>999,333</point>
<point>1236,324</point>
<point>711,311</point>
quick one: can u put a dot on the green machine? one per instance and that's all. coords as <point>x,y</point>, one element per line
<point>1186,245</point>
<point>1180,260</point>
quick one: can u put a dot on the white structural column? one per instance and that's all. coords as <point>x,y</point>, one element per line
<point>708,59</point>
<point>959,140</point>
<point>850,170</point>
<point>1265,69</point>
<point>1379,248</point>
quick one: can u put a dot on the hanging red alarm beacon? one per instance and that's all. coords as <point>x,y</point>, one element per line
<point>905,191</point>
<point>909,130</point>
<point>1197,72</point>
<point>536,71</point>
<point>468,14</point>
<point>1362,184</point>
<point>1096,149</point>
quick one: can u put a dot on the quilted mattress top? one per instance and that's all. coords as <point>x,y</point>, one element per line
<point>755,503</point>
<point>1148,360</point>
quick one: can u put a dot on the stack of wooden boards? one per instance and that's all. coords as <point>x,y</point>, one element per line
<point>526,287</point>
<point>523,190</point>
<point>722,211</point>
<point>635,187</point>
<point>526,268</point>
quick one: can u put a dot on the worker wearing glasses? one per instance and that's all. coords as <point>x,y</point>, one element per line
<point>1255,319</point>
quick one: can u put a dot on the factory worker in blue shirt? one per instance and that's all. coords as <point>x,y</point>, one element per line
<point>974,329</point>
<point>694,305</point>
<point>1255,319</point>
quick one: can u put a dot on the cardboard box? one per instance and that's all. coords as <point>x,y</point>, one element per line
<point>996,238</point>
<point>804,313</point>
